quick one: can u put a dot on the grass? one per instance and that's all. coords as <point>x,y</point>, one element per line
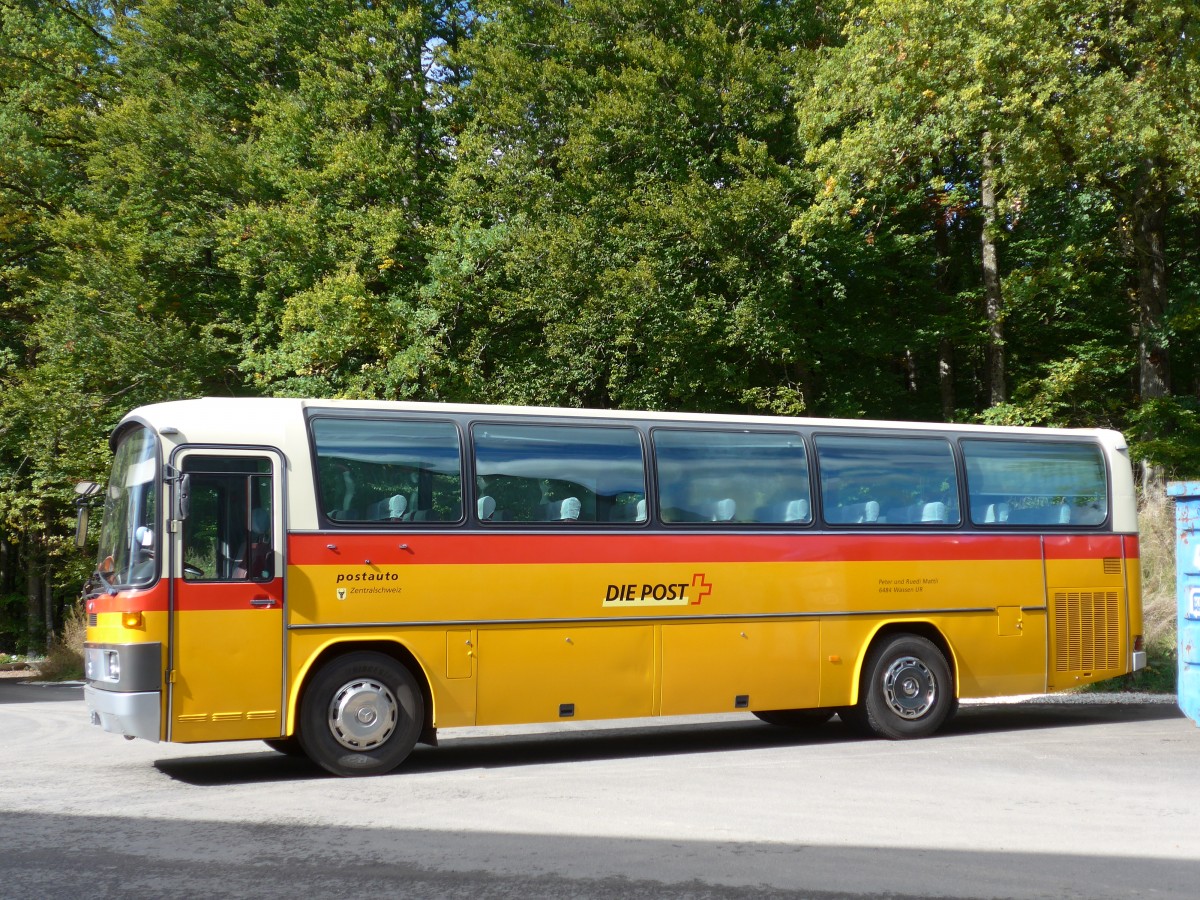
<point>64,659</point>
<point>1156,525</point>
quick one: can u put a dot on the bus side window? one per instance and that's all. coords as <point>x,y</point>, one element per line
<point>1035,483</point>
<point>387,471</point>
<point>559,474</point>
<point>887,480</point>
<point>731,477</point>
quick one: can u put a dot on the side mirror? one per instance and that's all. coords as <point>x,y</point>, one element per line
<point>81,525</point>
<point>84,492</point>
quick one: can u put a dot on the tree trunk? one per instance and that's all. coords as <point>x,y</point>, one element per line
<point>33,608</point>
<point>1154,362</point>
<point>993,297</point>
<point>5,565</point>
<point>945,291</point>
<point>1149,244</point>
<point>48,608</point>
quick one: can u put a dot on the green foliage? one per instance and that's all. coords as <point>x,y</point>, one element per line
<point>1082,390</point>
<point>742,205</point>
<point>12,624</point>
<point>64,658</point>
<point>1158,677</point>
<point>1167,432</point>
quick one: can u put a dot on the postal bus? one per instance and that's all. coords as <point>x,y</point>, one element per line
<point>343,578</point>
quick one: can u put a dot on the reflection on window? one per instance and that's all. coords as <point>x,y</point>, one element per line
<point>388,471</point>
<point>128,554</point>
<point>887,480</point>
<point>227,535</point>
<point>731,477</point>
<point>1023,482</point>
<point>559,473</point>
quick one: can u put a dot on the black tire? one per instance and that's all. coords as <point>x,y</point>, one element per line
<point>288,746</point>
<point>907,689</point>
<point>795,718</point>
<point>361,715</point>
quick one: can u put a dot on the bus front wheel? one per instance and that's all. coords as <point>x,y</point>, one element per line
<point>361,715</point>
<point>908,690</point>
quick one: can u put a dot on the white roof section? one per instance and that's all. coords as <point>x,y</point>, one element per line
<point>221,419</point>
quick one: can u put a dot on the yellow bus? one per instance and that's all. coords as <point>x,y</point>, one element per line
<point>344,578</point>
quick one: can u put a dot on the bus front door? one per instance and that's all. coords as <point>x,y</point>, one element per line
<point>225,664</point>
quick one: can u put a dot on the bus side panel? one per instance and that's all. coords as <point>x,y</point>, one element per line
<point>542,674</point>
<point>1088,609</point>
<point>1000,654</point>
<point>1133,584</point>
<point>708,666</point>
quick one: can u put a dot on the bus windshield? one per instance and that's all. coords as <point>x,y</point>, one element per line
<point>128,536</point>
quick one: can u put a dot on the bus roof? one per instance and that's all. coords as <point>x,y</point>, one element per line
<point>238,420</point>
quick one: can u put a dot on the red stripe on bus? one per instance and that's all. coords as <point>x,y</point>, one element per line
<point>1086,546</point>
<point>529,549</point>
<point>152,600</point>
<point>190,597</point>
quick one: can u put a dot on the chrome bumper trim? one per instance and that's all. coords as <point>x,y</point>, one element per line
<point>130,714</point>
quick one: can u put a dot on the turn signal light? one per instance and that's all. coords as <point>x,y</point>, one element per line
<point>132,620</point>
<point>1138,644</point>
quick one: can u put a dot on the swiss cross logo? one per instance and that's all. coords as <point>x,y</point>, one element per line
<point>701,588</point>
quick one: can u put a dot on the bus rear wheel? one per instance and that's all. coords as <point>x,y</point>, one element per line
<point>907,687</point>
<point>361,715</point>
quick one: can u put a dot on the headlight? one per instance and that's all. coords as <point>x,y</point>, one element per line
<point>102,665</point>
<point>112,665</point>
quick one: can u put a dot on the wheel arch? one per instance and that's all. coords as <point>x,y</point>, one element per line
<point>335,649</point>
<point>919,627</point>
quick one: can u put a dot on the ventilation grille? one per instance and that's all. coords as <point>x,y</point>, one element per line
<point>1087,635</point>
<point>93,618</point>
<point>1112,566</point>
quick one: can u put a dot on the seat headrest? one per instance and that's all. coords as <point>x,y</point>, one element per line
<point>260,521</point>
<point>725,510</point>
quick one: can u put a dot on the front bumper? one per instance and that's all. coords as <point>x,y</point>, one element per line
<point>131,714</point>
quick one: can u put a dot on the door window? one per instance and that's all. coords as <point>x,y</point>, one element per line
<point>227,535</point>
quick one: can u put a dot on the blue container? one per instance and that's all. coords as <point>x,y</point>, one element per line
<point>1187,574</point>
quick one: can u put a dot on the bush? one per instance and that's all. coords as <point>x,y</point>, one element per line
<point>64,659</point>
<point>1156,526</point>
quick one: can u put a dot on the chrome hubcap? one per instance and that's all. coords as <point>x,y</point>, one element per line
<point>909,688</point>
<point>363,714</point>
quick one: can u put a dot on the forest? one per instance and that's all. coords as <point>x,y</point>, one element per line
<point>942,210</point>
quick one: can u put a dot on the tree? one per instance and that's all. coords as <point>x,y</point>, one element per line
<point>1095,100</point>
<point>346,150</point>
<point>55,77</point>
<point>620,214</point>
